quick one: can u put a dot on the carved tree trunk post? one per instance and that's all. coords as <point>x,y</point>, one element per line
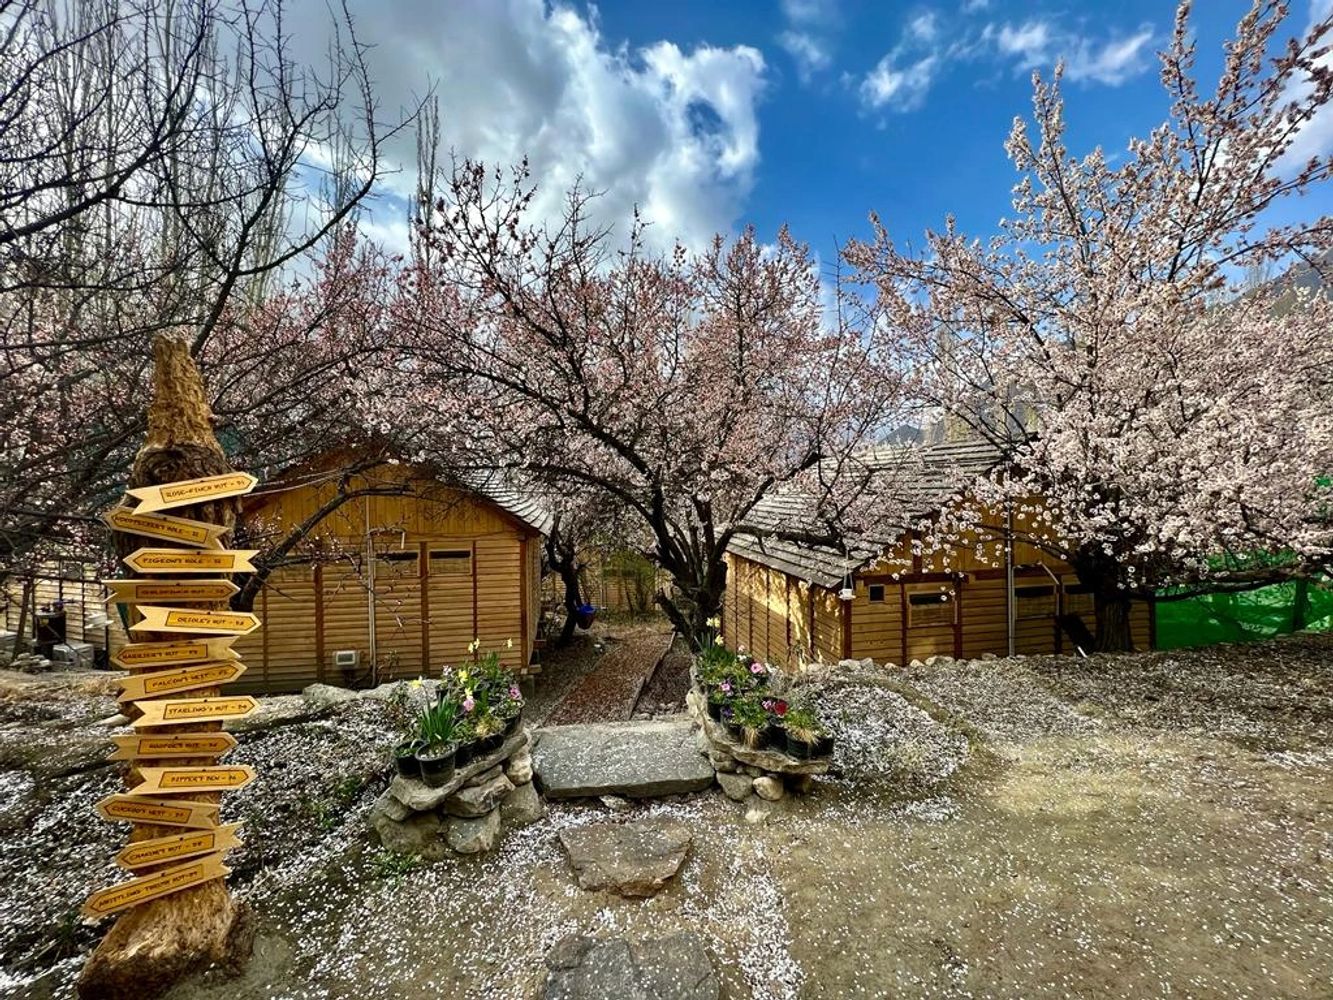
<point>154,944</point>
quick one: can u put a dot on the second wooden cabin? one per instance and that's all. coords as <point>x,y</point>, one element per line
<point>783,598</point>
<point>393,583</point>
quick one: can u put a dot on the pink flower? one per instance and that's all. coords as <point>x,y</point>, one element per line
<point>469,704</point>
<point>758,668</point>
<point>726,687</point>
<point>768,704</point>
<point>514,692</point>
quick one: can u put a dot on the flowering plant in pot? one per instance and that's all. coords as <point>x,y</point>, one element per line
<point>405,756</point>
<point>774,731</point>
<point>437,757</point>
<point>805,734</point>
<point>752,718</point>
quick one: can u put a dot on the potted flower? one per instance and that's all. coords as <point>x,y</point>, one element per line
<point>804,733</point>
<point>774,732</point>
<point>759,672</point>
<point>510,710</point>
<point>490,733</point>
<point>405,757</point>
<point>752,718</point>
<point>718,698</point>
<point>465,732</point>
<point>437,757</point>
<point>729,722</point>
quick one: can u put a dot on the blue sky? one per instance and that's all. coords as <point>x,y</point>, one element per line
<point>708,116</point>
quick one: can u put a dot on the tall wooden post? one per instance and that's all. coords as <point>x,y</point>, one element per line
<point>167,931</point>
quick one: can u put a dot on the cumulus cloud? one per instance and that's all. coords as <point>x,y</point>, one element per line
<point>671,130</point>
<point>899,88</point>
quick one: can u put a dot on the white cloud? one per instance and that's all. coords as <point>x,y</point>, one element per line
<point>671,130</point>
<point>810,52</point>
<point>808,11</point>
<point>972,6</point>
<point>899,88</point>
<point>924,27</point>
<point>1111,63</point>
<point>1315,137</point>
<point>1029,43</point>
<point>1039,44</point>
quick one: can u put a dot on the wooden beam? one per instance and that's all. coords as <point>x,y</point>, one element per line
<point>846,630</point>
<point>902,605</point>
<point>423,578</point>
<point>321,653</point>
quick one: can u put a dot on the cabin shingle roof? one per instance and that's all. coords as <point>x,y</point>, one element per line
<point>919,478</point>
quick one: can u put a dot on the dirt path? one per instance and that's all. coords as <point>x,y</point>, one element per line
<point>609,693</point>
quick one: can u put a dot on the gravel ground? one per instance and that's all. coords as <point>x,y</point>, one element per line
<point>1112,851</point>
<point>664,694</point>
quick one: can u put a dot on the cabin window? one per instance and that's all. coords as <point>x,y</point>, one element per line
<point>400,562</point>
<point>450,562</point>
<point>1034,601</point>
<point>877,592</point>
<point>930,607</point>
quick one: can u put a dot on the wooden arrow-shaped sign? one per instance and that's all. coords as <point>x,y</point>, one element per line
<point>168,591</point>
<point>162,812</point>
<point>143,853</point>
<point>166,527</point>
<point>185,745</point>
<point>166,780</point>
<point>160,682</point>
<point>185,710</point>
<point>138,655</point>
<point>185,620</point>
<point>192,560</point>
<point>163,883</point>
<point>190,491</point>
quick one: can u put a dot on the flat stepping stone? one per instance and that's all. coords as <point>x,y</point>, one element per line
<point>667,968</point>
<point>632,859</point>
<point>635,759</point>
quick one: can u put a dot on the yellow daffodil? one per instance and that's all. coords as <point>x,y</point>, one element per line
<point>715,622</point>
<point>717,641</point>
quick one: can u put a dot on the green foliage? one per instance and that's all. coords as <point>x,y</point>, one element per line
<point>750,714</point>
<point>392,864</point>
<point>802,723</point>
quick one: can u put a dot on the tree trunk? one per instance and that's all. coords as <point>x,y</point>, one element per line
<point>154,945</point>
<point>562,555</point>
<point>1101,573</point>
<point>695,603</point>
<point>25,602</point>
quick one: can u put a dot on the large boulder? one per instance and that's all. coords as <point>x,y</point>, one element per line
<point>636,759</point>
<point>419,834</point>
<point>668,968</point>
<point>522,805</point>
<point>632,859</point>
<point>326,695</point>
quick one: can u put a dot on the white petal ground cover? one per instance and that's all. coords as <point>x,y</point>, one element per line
<point>1126,855</point>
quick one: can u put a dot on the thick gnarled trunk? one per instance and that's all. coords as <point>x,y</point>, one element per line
<point>1101,573</point>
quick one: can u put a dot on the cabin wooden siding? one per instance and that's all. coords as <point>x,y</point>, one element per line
<point>432,568</point>
<point>967,614</point>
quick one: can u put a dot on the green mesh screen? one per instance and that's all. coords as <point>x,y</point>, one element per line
<point>1256,614</point>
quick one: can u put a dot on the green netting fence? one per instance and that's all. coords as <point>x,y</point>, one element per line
<point>1245,617</point>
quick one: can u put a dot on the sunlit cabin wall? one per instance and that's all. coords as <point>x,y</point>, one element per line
<point>406,580</point>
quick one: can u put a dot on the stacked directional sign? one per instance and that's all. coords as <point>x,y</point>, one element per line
<point>175,727</point>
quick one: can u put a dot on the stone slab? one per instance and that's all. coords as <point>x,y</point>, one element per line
<point>632,859</point>
<point>635,759</point>
<point>667,968</point>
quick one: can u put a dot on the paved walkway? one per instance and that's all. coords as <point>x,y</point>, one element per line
<point>609,693</point>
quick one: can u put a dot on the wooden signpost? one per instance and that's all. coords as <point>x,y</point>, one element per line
<point>185,745</point>
<point>159,812</point>
<point>141,890</point>
<point>158,619</point>
<point>192,491</point>
<point>157,591</point>
<point>183,711</point>
<point>163,682</point>
<point>143,655</point>
<point>177,847</point>
<point>148,560</point>
<point>166,780</point>
<point>166,527</point>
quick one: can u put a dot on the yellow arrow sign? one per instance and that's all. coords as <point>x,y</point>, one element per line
<point>185,745</point>
<point>189,491</point>
<point>184,620</point>
<point>137,655</point>
<point>168,591</point>
<point>185,710</point>
<point>163,883</point>
<point>148,685</point>
<point>166,780</point>
<point>166,527</point>
<point>143,853</point>
<point>162,812</point>
<point>192,560</point>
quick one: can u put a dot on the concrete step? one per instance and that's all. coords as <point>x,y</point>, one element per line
<point>634,759</point>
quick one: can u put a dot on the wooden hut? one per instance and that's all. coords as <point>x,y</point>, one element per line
<point>981,596</point>
<point>395,582</point>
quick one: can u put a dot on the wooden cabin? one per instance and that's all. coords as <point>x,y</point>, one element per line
<point>396,584</point>
<point>783,598</point>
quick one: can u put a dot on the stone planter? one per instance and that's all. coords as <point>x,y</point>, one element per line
<point>465,813</point>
